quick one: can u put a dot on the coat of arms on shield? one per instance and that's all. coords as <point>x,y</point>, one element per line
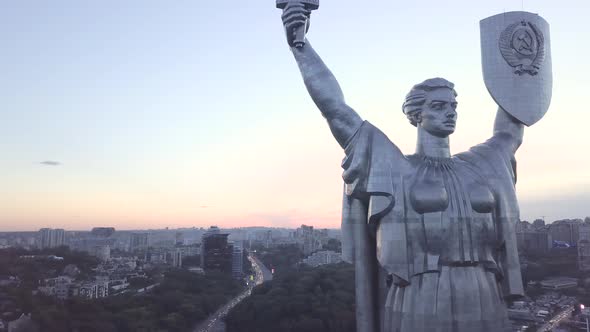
<point>516,61</point>
<point>522,45</point>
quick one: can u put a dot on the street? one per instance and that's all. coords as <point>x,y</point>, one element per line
<point>554,322</point>
<point>215,322</point>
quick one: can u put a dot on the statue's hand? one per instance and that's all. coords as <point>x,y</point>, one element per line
<point>294,16</point>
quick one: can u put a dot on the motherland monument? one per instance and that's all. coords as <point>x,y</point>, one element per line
<point>432,235</point>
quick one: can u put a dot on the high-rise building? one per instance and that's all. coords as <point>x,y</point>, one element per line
<point>179,238</point>
<point>538,223</point>
<point>190,250</point>
<point>44,238</point>
<point>584,247</point>
<point>211,231</point>
<point>51,238</point>
<point>139,241</point>
<point>216,252</point>
<point>177,258</point>
<point>267,239</point>
<point>565,231</point>
<point>531,239</point>
<point>102,252</point>
<point>309,239</point>
<point>237,266</point>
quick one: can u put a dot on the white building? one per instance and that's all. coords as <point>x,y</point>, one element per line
<point>102,252</point>
<point>58,287</point>
<point>139,241</point>
<point>51,238</point>
<point>322,258</point>
<point>94,290</point>
<point>177,258</point>
<point>310,239</point>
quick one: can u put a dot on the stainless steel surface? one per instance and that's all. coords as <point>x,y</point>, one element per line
<point>296,32</point>
<point>516,62</point>
<point>432,235</point>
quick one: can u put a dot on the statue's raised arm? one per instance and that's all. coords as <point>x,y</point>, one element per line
<point>508,131</point>
<point>319,80</point>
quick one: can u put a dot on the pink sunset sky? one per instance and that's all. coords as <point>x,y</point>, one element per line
<point>146,114</point>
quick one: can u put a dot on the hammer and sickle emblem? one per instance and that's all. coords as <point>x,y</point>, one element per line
<point>524,43</point>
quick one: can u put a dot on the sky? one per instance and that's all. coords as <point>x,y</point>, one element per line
<point>152,114</point>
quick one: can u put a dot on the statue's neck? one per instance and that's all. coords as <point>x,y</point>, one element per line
<point>432,146</point>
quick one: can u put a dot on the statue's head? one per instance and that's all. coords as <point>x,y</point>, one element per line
<point>431,106</point>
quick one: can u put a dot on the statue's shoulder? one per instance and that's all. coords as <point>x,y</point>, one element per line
<point>372,143</point>
<point>490,157</point>
<point>371,157</point>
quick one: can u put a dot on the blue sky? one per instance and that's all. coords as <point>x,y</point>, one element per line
<point>188,113</point>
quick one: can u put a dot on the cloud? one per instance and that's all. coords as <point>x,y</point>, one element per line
<point>204,206</point>
<point>50,163</point>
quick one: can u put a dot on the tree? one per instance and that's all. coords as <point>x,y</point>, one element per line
<point>305,299</point>
<point>333,245</point>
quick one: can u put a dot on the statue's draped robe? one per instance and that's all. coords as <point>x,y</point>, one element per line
<point>442,231</point>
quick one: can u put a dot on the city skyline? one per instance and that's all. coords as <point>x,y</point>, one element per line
<point>150,115</point>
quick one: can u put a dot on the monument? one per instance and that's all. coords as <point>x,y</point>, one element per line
<point>432,235</point>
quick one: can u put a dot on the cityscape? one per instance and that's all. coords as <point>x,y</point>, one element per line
<point>60,266</point>
<point>65,267</point>
<point>192,166</point>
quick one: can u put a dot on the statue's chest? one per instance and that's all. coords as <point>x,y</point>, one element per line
<point>448,211</point>
<point>450,187</point>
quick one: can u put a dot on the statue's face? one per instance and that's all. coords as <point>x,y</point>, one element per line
<point>439,113</point>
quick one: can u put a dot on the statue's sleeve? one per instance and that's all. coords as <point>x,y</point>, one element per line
<point>370,160</point>
<point>368,196</point>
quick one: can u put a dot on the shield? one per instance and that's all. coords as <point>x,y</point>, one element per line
<point>516,61</point>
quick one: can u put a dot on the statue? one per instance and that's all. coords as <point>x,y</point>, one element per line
<point>432,235</point>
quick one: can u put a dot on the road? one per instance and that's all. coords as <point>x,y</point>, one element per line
<point>554,322</point>
<point>260,268</point>
<point>215,322</point>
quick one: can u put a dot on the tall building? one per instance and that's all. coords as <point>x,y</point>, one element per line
<point>179,238</point>
<point>309,239</point>
<point>565,231</point>
<point>190,250</point>
<point>102,252</point>
<point>51,238</point>
<point>267,239</point>
<point>216,252</point>
<point>531,239</point>
<point>237,266</point>
<point>213,230</point>
<point>538,223</point>
<point>177,258</point>
<point>139,241</point>
<point>584,247</point>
